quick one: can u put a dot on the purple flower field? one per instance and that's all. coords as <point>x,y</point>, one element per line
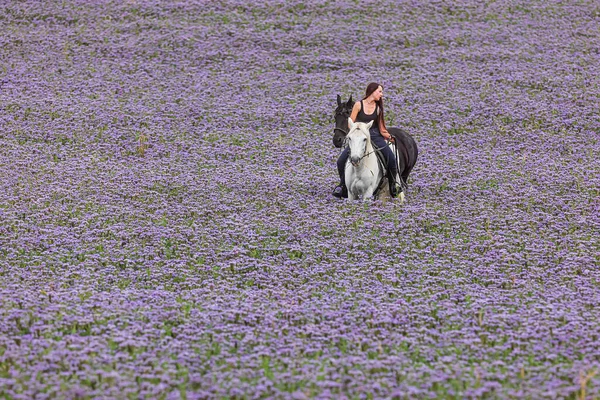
<point>167,229</point>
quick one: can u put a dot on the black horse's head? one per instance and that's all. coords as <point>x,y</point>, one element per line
<point>342,113</point>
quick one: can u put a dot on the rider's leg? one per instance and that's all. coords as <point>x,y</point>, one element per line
<point>395,186</point>
<point>390,159</point>
<point>340,190</point>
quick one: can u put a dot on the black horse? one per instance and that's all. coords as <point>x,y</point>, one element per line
<point>407,151</point>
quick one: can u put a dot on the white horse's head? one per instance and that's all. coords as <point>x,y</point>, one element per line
<point>358,139</point>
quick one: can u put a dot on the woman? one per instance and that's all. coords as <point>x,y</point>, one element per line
<point>370,108</point>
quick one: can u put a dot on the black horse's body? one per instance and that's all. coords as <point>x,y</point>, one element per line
<point>407,151</point>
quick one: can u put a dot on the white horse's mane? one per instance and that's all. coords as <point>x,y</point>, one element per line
<point>362,126</point>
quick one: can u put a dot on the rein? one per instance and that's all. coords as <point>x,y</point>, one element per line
<point>375,149</point>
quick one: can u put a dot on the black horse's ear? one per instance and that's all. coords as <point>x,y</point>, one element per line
<point>350,102</point>
<point>339,100</point>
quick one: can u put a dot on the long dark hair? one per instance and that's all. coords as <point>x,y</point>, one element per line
<point>371,87</point>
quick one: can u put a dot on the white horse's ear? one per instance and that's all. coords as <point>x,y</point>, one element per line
<point>351,123</point>
<point>369,125</point>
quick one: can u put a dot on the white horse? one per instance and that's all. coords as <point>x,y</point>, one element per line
<point>363,172</point>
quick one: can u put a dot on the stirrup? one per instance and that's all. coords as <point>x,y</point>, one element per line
<point>340,191</point>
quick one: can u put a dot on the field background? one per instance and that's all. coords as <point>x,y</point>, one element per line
<point>167,228</point>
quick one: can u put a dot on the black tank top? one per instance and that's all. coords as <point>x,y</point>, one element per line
<point>366,118</point>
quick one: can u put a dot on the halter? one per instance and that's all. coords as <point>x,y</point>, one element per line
<point>345,138</point>
<point>341,130</point>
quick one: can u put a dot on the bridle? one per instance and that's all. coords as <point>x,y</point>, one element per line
<point>345,142</point>
<point>344,112</point>
<point>364,155</point>
<point>341,130</point>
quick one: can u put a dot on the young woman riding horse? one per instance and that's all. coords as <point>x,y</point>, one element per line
<point>370,108</point>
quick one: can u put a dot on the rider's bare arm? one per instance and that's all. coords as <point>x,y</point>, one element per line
<point>384,131</point>
<point>355,111</point>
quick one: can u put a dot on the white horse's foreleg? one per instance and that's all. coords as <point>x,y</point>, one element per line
<point>368,193</point>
